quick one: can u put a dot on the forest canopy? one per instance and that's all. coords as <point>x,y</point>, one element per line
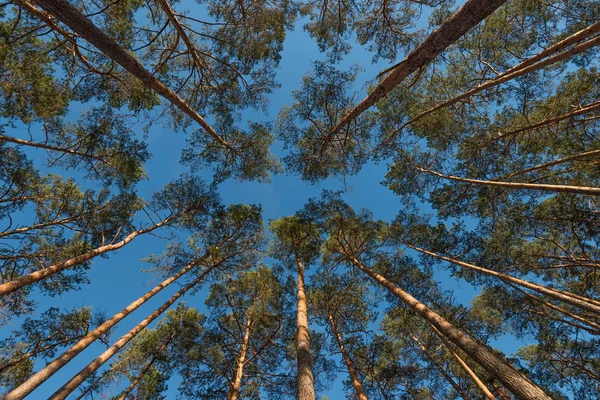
<point>310,199</point>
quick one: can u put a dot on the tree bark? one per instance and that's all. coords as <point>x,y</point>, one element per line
<point>360,391</point>
<point>519,185</point>
<point>74,19</point>
<point>567,297</point>
<point>466,367</point>
<point>469,15</point>
<point>518,384</point>
<point>41,376</point>
<point>529,65</point>
<point>44,273</point>
<point>234,390</point>
<point>306,385</point>
<point>445,374</point>
<point>78,379</point>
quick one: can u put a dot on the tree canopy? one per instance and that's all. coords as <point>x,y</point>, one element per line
<point>227,152</point>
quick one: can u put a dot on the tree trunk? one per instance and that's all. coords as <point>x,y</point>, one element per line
<point>74,19</point>
<point>445,374</point>
<point>469,15</point>
<point>466,367</point>
<point>78,379</point>
<point>306,385</point>
<point>234,390</point>
<point>583,110</point>
<point>555,162</point>
<point>529,65</point>
<point>54,148</point>
<point>592,327</point>
<point>44,273</point>
<point>570,298</point>
<point>39,226</point>
<point>519,185</point>
<point>360,391</point>
<point>518,384</point>
<point>41,376</point>
<point>144,371</point>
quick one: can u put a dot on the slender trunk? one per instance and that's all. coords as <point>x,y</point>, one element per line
<point>570,298</point>
<point>463,364</point>
<point>450,380</point>
<point>595,328</point>
<point>38,226</point>
<point>234,390</point>
<point>583,110</point>
<point>517,383</point>
<point>381,390</point>
<point>54,148</point>
<point>144,371</point>
<point>553,163</point>
<point>306,385</point>
<point>44,273</point>
<point>469,15</point>
<point>525,67</point>
<point>78,379</point>
<point>74,19</point>
<point>360,391</point>
<point>175,22</point>
<point>519,185</point>
<point>41,376</point>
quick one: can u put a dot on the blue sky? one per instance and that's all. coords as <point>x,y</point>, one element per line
<point>118,280</point>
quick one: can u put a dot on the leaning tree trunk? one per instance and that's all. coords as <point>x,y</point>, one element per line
<point>527,66</point>
<point>44,273</point>
<point>234,390</point>
<point>78,379</point>
<point>517,383</point>
<point>463,364</point>
<point>567,297</point>
<point>41,376</point>
<point>306,385</point>
<point>550,121</point>
<point>74,19</point>
<point>519,185</point>
<point>469,15</point>
<point>445,374</point>
<point>360,391</point>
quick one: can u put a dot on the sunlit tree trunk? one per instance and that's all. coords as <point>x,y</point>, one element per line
<point>517,383</point>
<point>78,379</point>
<point>470,14</point>
<point>567,297</point>
<point>445,374</point>
<point>519,185</point>
<point>527,66</point>
<point>234,390</point>
<point>44,273</point>
<point>41,376</point>
<point>463,364</point>
<point>306,386</point>
<point>360,391</point>
<point>74,19</point>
